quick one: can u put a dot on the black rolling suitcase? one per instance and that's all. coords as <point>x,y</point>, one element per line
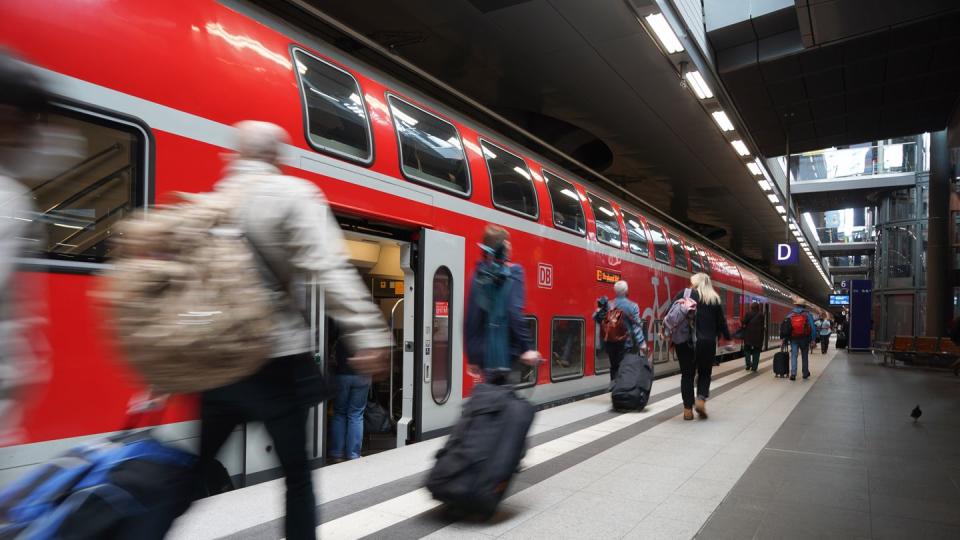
<point>474,468</point>
<point>781,362</point>
<point>841,340</point>
<point>630,391</point>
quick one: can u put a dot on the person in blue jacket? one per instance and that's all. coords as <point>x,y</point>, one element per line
<point>495,332</point>
<point>801,344</point>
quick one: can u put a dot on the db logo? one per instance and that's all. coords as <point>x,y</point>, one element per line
<point>544,276</point>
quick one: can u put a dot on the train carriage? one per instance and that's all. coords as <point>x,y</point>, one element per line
<point>154,88</point>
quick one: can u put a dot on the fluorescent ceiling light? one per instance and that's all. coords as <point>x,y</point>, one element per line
<point>781,210</point>
<point>740,147</point>
<point>658,23</point>
<point>607,211</point>
<point>773,198</point>
<point>783,217</point>
<point>755,169</point>
<point>488,153</point>
<point>764,185</point>
<point>699,85</point>
<point>721,119</point>
<point>570,194</point>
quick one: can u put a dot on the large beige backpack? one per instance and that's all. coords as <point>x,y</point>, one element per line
<point>188,301</point>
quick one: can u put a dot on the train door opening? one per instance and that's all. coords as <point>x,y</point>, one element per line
<point>438,368</point>
<point>383,268</point>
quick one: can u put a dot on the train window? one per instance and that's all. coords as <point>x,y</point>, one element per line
<point>659,237</point>
<point>442,358</point>
<point>430,148</point>
<point>608,226</point>
<point>523,375</point>
<point>694,257</point>
<point>566,348</point>
<point>336,118</point>
<point>567,211</point>
<point>510,181</point>
<point>636,236</point>
<point>679,254</point>
<point>78,203</point>
<point>706,262</point>
<point>737,304</point>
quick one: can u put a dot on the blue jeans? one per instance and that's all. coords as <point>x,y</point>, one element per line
<point>797,347</point>
<point>346,428</point>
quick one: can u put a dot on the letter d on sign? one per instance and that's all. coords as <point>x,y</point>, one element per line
<point>787,254</point>
<point>783,252</point>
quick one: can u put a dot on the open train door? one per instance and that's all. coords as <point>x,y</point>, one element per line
<point>439,313</point>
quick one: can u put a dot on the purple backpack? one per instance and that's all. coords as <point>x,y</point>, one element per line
<point>679,320</point>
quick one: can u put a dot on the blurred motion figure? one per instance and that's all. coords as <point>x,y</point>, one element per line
<point>295,237</point>
<point>23,100</point>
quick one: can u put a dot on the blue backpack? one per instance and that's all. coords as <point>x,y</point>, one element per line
<point>130,486</point>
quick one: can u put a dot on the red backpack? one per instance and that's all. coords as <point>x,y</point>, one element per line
<point>799,325</point>
<point>614,326</point>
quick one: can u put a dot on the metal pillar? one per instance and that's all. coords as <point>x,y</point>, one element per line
<point>938,249</point>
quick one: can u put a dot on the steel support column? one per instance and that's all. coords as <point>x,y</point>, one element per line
<point>938,248</point>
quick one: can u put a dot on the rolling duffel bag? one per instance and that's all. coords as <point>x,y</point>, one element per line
<point>474,468</point>
<point>630,391</point>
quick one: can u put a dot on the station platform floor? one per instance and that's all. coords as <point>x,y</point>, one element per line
<point>835,456</point>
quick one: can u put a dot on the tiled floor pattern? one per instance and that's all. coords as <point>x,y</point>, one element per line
<point>849,462</point>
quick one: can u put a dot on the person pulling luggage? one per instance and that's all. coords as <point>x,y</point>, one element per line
<point>478,461</point>
<point>621,328</point>
<point>495,331</point>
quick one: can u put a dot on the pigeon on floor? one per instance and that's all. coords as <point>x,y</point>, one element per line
<point>915,414</point>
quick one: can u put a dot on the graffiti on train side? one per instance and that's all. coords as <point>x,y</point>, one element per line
<point>658,309</point>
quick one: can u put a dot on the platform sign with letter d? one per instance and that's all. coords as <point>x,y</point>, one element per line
<point>788,254</point>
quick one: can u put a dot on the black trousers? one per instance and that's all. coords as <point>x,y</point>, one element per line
<point>615,352</point>
<point>268,396</point>
<point>696,364</point>
<point>824,343</point>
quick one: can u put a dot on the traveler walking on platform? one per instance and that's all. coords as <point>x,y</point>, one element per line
<point>620,326</point>
<point>696,355</point>
<point>495,332</point>
<point>295,236</point>
<point>752,337</point>
<point>802,335</point>
<point>825,330</point>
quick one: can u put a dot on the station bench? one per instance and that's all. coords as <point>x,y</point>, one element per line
<point>937,352</point>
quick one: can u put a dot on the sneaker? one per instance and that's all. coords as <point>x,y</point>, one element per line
<point>748,368</point>
<point>793,377</point>
<point>701,407</point>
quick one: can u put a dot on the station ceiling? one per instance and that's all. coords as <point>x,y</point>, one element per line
<point>839,72</point>
<point>587,78</point>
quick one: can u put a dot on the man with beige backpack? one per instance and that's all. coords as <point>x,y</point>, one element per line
<point>226,320</point>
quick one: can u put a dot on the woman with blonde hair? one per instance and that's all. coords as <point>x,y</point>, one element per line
<point>696,356</point>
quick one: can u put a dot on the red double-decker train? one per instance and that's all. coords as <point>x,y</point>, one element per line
<point>153,87</point>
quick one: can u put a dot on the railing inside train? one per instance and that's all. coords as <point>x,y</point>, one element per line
<point>393,345</point>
